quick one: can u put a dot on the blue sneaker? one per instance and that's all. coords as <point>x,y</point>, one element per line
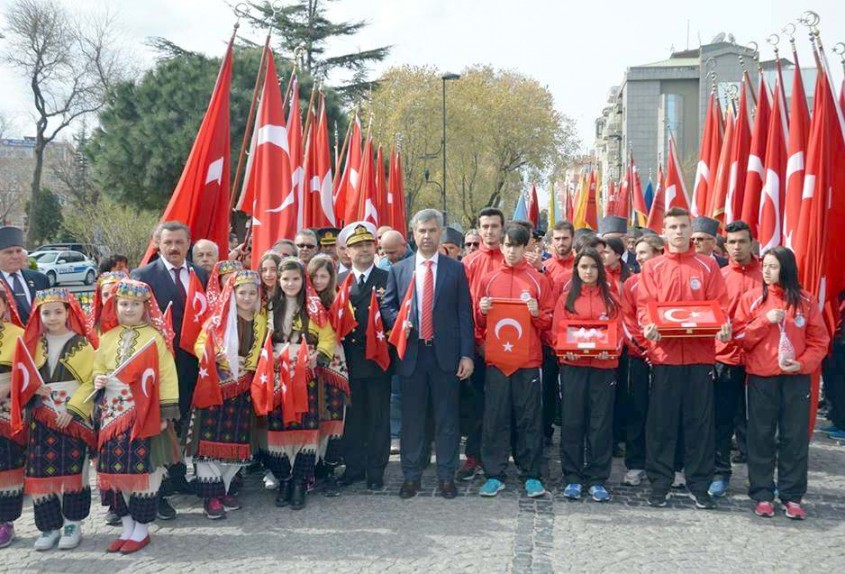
<point>830,428</point>
<point>534,488</point>
<point>599,493</point>
<point>718,488</point>
<point>838,435</point>
<point>491,487</point>
<point>572,491</point>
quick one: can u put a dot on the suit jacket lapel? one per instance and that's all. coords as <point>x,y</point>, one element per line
<point>438,279</point>
<point>168,286</point>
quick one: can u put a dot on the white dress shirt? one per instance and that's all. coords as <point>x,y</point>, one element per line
<point>183,274</point>
<point>11,284</point>
<point>366,273</point>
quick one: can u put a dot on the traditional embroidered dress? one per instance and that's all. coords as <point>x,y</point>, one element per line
<point>130,470</point>
<point>298,441</point>
<point>12,447</point>
<point>57,459</point>
<point>220,437</point>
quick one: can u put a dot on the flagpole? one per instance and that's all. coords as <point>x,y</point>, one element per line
<point>346,139</point>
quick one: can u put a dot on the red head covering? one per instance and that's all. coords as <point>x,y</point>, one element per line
<point>139,291</point>
<point>11,307</point>
<point>77,320</point>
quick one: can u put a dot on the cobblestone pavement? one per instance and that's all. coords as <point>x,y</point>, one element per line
<point>362,531</point>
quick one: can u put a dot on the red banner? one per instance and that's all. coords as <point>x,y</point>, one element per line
<point>510,335</point>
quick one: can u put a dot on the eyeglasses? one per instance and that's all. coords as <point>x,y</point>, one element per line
<point>472,243</point>
<point>306,246</point>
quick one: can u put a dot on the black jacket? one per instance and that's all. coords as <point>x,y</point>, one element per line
<point>355,343</point>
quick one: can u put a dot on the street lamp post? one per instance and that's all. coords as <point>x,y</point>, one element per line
<point>445,77</point>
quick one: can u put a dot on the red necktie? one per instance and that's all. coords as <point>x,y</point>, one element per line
<point>180,287</point>
<point>427,319</point>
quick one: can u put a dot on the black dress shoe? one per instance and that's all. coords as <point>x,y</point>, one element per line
<point>330,487</point>
<point>409,489</point>
<point>165,511</point>
<point>346,479</point>
<point>297,499</point>
<point>377,484</point>
<point>448,490</point>
<point>181,485</point>
<point>283,496</point>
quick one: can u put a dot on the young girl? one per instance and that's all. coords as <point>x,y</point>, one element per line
<point>58,337</point>
<point>106,284</point>
<point>130,470</point>
<point>333,378</point>
<point>784,338</point>
<point>12,446</point>
<point>221,434</point>
<point>217,279</point>
<point>588,385</point>
<point>290,450</point>
<point>268,268</point>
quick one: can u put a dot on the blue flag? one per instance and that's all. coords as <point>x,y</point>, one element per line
<point>521,211</point>
<point>649,194</point>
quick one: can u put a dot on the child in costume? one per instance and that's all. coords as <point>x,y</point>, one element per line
<point>12,447</point>
<point>130,470</point>
<point>59,339</point>
<point>220,440</point>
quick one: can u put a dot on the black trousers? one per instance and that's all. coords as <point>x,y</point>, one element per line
<point>728,390</point>
<point>366,431</point>
<point>680,395</point>
<point>833,374</point>
<point>551,391</point>
<point>586,432</point>
<point>639,384</point>
<point>620,405</point>
<point>429,382</point>
<point>778,433</point>
<point>473,409</point>
<point>518,399</point>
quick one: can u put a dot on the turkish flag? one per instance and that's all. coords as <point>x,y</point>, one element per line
<point>301,376</point>
<point>201,198</point>
<point>396,195</point>
<point>285,396</point>
<point>640,210</point>
<point>510,335</point>
<point>376,341</point>
<point>658,206</point>
<point>381,207</point>
<point>757,153</point>
<point>346,188</point>
<point>295,150</point>
<point>340,315</point>
<point>799,131</point>
<point>195,315</point>
<point>366,203</point>
<point>399,334</point>
<point>739,157</point>
<point>708,155</point>
<point>534,207</point>
<point>319,208</point>
<point>676,190</point>
<point>208,393</point>
<point>719,191</point>
<point>263,387</point>
<point>141,373</point>
<point>26,380</point>
<point>274,213</point>
<point>770,219</point>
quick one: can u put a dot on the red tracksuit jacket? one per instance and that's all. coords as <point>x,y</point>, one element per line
<point>760,339</point>
<point>589,306</point>
<point>681,277</point>
<point>477,265</point>
<point>559,271</point>
<point>634,340</point>
<point>739,279</point>
<point>510,283</point>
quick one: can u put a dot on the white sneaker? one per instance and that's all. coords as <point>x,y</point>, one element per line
<point>47,540</point>
<point>71,536</point>
<point>634,477</point>
<point>680,481</point>
<point>270,481</point>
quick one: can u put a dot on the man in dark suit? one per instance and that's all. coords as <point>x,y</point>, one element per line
<point>22,282</point>
<point>366,437</point>
<point>168,277</point>
<point>439,352</point>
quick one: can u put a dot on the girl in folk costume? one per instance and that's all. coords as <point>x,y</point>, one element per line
<point>59,338</point>
<point>781,330</point>
<point>588,385</point>
<point>130,469</point>
<point>106,284</point>
<point>271,292</point>
<point>222,423</point>
<point>292,438</point>
<point>332,379</point>
<point>217,280</point>
<point>12,446</point>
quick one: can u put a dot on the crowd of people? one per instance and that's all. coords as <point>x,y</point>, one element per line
<point>290,372</point>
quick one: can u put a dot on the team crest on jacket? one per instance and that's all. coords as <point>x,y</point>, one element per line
<point>695,283</point>
<point>603,317</point>
<point>526,296</point>
<point>800,321</point>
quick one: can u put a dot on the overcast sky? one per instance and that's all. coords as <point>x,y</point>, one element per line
<point>577,49</point>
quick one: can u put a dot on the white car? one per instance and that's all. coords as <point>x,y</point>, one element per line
<point>62,267</point>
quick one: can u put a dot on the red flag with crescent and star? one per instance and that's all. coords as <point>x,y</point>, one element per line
<point>286,398</point>
<point>510,335</point>
<point>26,380</point>
<point>263,385</point>
<point>208,393</point>
<point>195,314</point>
<point>340,315</point>
<point>376,341</point>
<point>399,334</point>
<point>141,373</point>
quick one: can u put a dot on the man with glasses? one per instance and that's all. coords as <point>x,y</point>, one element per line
<point>704,232</point>
<point>472,241</point>
<point>307,244</point>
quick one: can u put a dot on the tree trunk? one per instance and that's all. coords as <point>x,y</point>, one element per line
<point>36,187</point>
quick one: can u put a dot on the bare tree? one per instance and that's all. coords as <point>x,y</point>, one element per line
<point>69,65</point>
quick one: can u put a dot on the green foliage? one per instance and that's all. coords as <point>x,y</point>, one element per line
<point>46,220</point>
<point>147,130</point>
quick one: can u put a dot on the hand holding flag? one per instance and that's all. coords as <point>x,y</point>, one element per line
<point>402,327</point>
<point>376,341</point>
<point>26,381</point>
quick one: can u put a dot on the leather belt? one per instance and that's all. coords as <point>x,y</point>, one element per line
<point>427,342</point>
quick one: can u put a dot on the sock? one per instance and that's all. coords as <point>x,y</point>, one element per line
<point>128,527</point>
<point>141,531</point>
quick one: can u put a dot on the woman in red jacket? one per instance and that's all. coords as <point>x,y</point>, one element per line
<point>784,339</point>
<point>588,385</point>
